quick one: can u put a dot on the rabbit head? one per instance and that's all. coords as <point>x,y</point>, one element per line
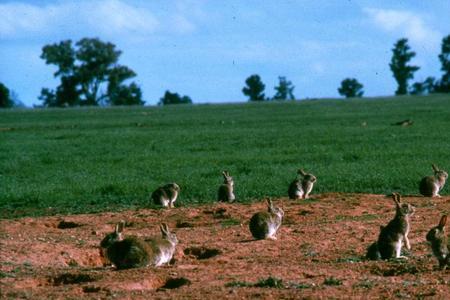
<point>307,176</point>
<point>167,235</point>
<point>439,174</point>
<point>109,240</point>
<point>274,210</point>
<point>113,237</point>
<point>227,179</point>
<point>438,233</point>
<point>402,209</point>
<point>174,186</point>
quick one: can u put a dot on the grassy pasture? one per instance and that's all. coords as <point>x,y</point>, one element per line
<point>85,160</point>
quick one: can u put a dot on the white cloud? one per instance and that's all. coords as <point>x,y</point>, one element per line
<point>113,16</point>
<point>109,17</point>
<point>404,23</point>
<point>181,24</point>
<point>18,17</point>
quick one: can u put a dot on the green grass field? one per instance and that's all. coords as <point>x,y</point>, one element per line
<point>98,159</point>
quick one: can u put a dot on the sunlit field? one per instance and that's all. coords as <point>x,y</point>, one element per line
<point>82,160</point>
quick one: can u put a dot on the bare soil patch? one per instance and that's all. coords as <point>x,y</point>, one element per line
<point>319,253</point>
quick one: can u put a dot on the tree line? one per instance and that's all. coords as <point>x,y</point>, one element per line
<point>89,74</point>
<point>402,72</point>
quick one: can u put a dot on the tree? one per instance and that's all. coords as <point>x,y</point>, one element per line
<point>350,87</point>
<point>403,72</point>
<point>123,95</point>
<point>89,74</point>
<point>428,86</point>
<point>284,89</point>
<point>5,97</point>
<point>254,89</point>
<point>444,57</point>
<point>174,98</point>
<point>126,95</point>
<point>15,99</point>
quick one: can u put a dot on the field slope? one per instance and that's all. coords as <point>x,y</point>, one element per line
<point>86,160</point>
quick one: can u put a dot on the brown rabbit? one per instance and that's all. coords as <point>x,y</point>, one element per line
<point>265,224</point>
<point>166,195</point>
<point>300,188</point>
<point>134,252</point>
<point>430,186</point>
<point>226,190</point>
<point>438,238</point>
<point>390,240</point>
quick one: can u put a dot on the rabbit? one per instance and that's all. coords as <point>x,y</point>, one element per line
<point>134,252</point>
<point>300,189</point>
<point>438,238</point>
<point>226,190</point>
<point>123,252</point>
<point>431,185</point>
<point>163,248</point>
<point>390,240</point>
<point>166,195</point>
<point>265,224</point>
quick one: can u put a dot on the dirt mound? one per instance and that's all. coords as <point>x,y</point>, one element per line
<point>319,252</point>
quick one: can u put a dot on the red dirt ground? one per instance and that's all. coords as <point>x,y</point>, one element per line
<point>319,253</point>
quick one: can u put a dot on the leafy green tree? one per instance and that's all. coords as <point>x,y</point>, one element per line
<point>350,87</point>
<point>401,55</point>
<point>126,95</point>
<point>5,97</point>
<point>120,94</point>
<point>174,98</point>
<point>284,89</point>
<point>428,86</point>
<point>89,74</point>
<point>254,89</point>
<point>444,57</point>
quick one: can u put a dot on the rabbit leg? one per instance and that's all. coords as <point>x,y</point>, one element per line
<point>231,197</point>
<point>165,202</point>
<point>308,190</point>
<point>398,250</point>
<point>408,245</point>
<point>436,191</point>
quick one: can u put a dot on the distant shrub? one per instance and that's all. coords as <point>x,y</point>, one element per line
<point>174,98</point>
<point>350,87</point>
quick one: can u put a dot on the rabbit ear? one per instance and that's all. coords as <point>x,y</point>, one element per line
<point>443,221</point>
<point>269,203</point>
<point>435,168</point>
<point>164,229</point>
<point>301,172</point>
<point>224,173</point>
<point>396,198</point>
<point>119,227</point>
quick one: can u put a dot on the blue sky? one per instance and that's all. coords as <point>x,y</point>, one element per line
<point>206,49</point>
